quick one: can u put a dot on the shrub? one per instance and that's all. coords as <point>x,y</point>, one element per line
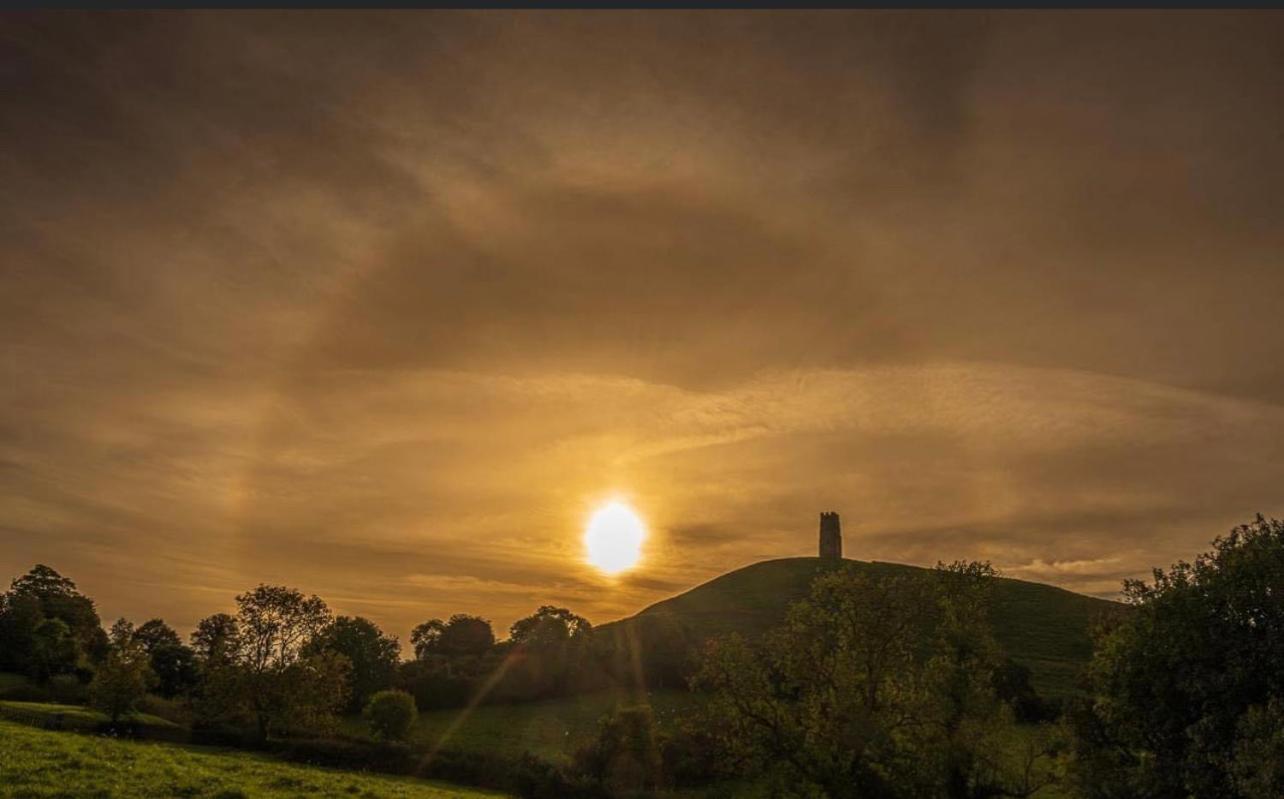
<point>391,714</point>
<point>119,685</point>
<point>625,755</point>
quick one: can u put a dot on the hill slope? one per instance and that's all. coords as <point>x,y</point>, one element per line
<point>38,763</point>
<point>1041,626</point>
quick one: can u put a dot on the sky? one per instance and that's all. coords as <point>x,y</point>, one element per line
<point>383,306</point>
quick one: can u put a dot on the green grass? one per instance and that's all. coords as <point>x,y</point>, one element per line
<point>1043,627</point>
<point>552,730</point>
<point>38,763</point>
<point>10,681</point>
<point>69,717</point>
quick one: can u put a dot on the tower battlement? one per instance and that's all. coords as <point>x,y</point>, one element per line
<point>831,535</point>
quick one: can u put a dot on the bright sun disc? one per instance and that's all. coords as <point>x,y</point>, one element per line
<point>614,538</point>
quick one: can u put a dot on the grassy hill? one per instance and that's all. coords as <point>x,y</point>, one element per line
<point>37,763</point>
<point>1043,627</point>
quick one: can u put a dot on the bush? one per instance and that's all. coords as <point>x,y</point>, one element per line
<point>625,755</point>
<point>391,714</point>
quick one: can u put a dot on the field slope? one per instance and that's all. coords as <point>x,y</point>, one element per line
<point>38,763</point>
<point>1041,626</point>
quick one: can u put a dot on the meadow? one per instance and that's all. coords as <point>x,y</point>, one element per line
<point>40,763</point>
<point>551,729</point>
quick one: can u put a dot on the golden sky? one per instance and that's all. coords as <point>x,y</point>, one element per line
<point>382,306</point>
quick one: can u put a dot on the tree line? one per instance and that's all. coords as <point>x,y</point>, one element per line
<point>283,661</point>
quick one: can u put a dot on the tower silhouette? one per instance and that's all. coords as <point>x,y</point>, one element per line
<point>831,536</point>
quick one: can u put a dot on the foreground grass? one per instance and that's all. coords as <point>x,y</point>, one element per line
<point>37,763</point>
<point>552,730</point>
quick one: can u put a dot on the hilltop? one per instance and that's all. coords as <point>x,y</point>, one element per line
<point>1040,626</point>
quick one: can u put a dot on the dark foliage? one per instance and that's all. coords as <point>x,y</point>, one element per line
<point>47,627</point>
<point>372,655</point>
<point>1185,686</point>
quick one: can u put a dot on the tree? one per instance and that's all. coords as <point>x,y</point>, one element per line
<point>43,595</point>
<point>466,636</point>
<point>53,650</point>
<point>462,636</point>
<point>1182,682</point>
<point>275,623</point>
<point>258,666</point>
<point>216,639</point>
<point>545,655</point>
<point>426,638</point>
<point>373,656</point>
<point>548,627</point>
<point>1257,768</point>
<point>120,682</point>
<point>877,685</point>
<point>173,664</point>
<point>391,714</point>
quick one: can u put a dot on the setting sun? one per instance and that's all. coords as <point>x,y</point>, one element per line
<point>613,538</point>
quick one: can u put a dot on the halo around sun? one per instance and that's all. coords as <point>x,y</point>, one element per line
<point>613,538</point>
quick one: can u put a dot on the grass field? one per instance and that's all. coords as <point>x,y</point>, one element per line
<point>39,763</point>
<point>552,730</point>
<point>69,717</point>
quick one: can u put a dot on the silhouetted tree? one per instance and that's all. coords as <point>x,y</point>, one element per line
<point>121,680</point>
<point>425,638</point>
<point>172,663</point>
<point>548,627</point>
<point>466,635</point>
<point>1185,687</point>
<point>216,639</point>
<point>461,636</point>
<point>544,656</point>
<point>372,655</point>
<point>29,645</point>
<point>266,675</point>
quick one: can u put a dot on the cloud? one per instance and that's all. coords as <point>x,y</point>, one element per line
<point>390,295</point>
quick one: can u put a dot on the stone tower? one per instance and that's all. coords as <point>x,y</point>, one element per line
<point>831,536</point>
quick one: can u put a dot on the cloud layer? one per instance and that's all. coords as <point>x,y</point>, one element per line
<point>381,305</point>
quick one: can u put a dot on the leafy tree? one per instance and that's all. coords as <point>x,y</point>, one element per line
<point>546,655</point>
<point>373,656</point>
<point>260,668</point>
<point>466,635</point>
<point>54,650</point>
<point>426,638</point>
<point>216,639</point>
<point>44,595</point>
<point>462,635</point>
<point>20,614</point>
<point>391,714</point>
<point>549,627</point>
<point>173,664</point>
<point>120,682</point>
<point>876,685</point>
<point>1257,768</point>
<point>1184,684</point>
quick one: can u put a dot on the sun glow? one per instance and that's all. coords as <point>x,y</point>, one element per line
<point>613,538</point>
